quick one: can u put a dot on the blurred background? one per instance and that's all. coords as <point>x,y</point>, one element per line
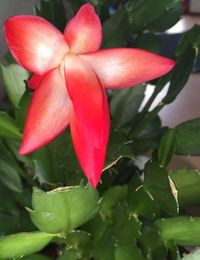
<point>10,8</point>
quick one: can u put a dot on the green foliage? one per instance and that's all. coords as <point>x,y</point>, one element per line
<point>127,252</point>
<point>78,245</point>
<point>13,77</point>
<point>187,182</point>
<point>9,176</point>
<point>166,147</point>
<point>126,227</point>
<point>116,29</point>
<point>118,148</point>
<point>120,235</point>
<point>141,202</point>
<point>63,163</point>
<point>23,244</point>
<point>8,127</point>
<point>145,14</point>
<point>182,230</point>
<point>22,108</point>
<point>123,109</point>
<point>53,11</point>
<point>148,41</point>
<point>110,198</point>
<point>135,212</point>
<point>105,246</point>
<point>36,257</point>
<point>152,244</point>
<point>161,188</point>
<point>162,23</point>
<point>43,170</point>
<point>63,209</point>
<point>187,140</point>
<point>191,37</point>
<point>177,78</point>
<point>9,58</point>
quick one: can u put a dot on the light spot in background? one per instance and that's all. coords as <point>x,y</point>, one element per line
<point>149,91</point>
<point>185,24</point>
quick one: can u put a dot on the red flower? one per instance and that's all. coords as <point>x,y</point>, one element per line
<point>70,75</point>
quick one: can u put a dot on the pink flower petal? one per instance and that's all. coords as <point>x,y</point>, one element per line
<point>48,114</point>
<point>35,81</point>
<point>123,67</point>
<point>84,33</point>
<point>35,43</point>
<point>89,120</point>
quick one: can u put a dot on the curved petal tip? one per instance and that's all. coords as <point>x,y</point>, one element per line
<point>84,32</point>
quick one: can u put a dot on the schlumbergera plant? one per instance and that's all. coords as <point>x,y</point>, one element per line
<point>73,129</point>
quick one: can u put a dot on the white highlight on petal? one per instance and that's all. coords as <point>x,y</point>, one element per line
<point>44,51</point>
